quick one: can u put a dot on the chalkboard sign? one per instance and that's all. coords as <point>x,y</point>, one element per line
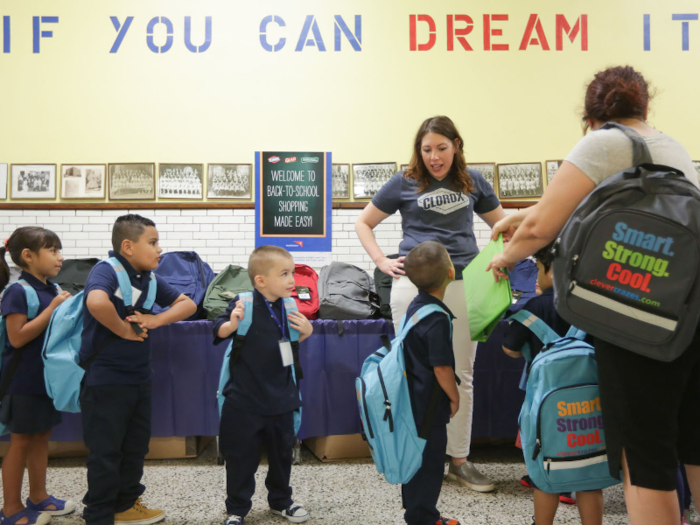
<point>293,205</point>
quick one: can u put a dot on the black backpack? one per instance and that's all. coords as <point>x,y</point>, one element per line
<point>626,263</point>
<point>74,274</point>
<point>383,284</point>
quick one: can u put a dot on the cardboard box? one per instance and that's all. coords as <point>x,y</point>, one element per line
<point>338,448</point>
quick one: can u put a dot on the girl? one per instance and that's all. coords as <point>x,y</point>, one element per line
<point>26,409</point>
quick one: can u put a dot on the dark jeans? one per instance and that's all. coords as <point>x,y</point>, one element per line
<point>117,429</point>
<point>420,495</point>
<point>242,436</point>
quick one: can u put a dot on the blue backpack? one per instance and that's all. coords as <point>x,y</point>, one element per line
<point>385,406</point>
<point>561,423</point>
<point>32,312</point>
<point>188,274</point>
<point>63,371</point>
<point>233,351</point>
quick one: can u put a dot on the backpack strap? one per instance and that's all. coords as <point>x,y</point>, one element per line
<point>291,305</point>
<point>151,294</point>
<point>536,325</point>
<point>32,299</point>
<point>576,333</point>
<point>640,150</point>
<point>123,280</point>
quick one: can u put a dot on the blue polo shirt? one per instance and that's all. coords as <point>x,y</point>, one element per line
<point>260,383</point>
<point>29,376</point>
<point>120,361</point>
<point>428,345</point>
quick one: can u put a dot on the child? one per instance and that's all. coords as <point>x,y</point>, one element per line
<point>27,411</point>
<point>115,398</point>
<point>590,503</point>
<point>429,366</point>
<point>261,397</point>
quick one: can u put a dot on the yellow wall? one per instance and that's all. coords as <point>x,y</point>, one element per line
<point>77,103</point>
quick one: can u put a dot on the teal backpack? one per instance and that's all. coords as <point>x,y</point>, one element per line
<point>63,371</point>
<point>32,312</point>
<point>561,423</point>
<point>233,352</point>
<point>394,441</point>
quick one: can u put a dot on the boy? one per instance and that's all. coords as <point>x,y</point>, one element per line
<point>261,396</point>
<point>590,503</point>
<point>430,371</point>
<point>116,395</point>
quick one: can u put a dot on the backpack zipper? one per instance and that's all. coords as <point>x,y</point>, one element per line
<point>364,405</point>
<point>387,403</point>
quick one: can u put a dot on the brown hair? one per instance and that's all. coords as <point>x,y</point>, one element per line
<point>427,265</point>
<point>262,258</point>
<point>32,238</point>
<point>130,227</point>
<point>616,93</point>
<point>417,170</point>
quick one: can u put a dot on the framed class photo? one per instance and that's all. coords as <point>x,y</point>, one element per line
<point>520,181</point>
<point>3,181</point>
<point>132,181</point>
<point>403,167</point>
<point>83,181</point>
<point>552,167</point>
<point>229,181</point>
<point>696,163</point>
<point>33,181</point>
<point>341,181</point>
<point>180,181</point>
<point>369,178</point>
<point>487,170</point>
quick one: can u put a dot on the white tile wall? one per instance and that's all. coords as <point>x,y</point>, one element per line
<point>220,236</point>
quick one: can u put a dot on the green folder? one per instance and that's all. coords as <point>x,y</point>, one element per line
<point>487,300</point>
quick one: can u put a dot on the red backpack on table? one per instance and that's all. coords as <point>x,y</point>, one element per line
<point>306,290</point>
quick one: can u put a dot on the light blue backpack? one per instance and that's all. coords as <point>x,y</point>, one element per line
<point>32,312</point>
<point>63,371</point>
<point>234,348</point>
<point>561,423</point>
<point>385,406</point>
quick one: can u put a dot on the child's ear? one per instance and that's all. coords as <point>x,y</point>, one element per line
<point>451,274</point>
<point>126,248</point>
<point>260,280</point>
<point>27,255</point>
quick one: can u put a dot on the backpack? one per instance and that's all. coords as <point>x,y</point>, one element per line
<point>74,274</point>
<point>32,312</point>
<point>306,290</point>
<point>346,292</point>
<point>394,441</point>
<point>626,263</point>
<point>232,281</point>
<point>63,371</point>
<point>188,274</point>
<point>233,352</point>
<point>383,284</point>
<point>562,453</point>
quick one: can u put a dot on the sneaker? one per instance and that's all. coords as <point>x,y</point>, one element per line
<point>295,513</point>
<point>139,514</point>
<point>447,521</point>
<point>468,475</point>
<point>525,481</point>
<point>33,517</point>
<point>686,518</point>
<point>232,519</point>
<point>567,497</point>
<point>61,507</point>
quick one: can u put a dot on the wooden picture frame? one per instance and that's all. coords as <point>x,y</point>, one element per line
<point>551,167</point>
<point>132,181</point>
<point>181,181</point>
<point>33,182</point>
<point>230,181</point>
<point>83,181</point>
<point>341,181</point>
<point>487,170</point>
<point>368,178</point>
<point>519,180</point>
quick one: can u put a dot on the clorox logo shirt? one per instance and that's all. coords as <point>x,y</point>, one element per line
<point>438,213</point>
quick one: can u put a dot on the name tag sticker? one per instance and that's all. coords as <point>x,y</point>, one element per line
<point>304,293</point>
<point>286,352</point>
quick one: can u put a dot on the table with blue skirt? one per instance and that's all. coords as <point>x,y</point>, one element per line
<point>186,367</point>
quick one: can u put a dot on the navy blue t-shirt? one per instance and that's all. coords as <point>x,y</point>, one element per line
<point>428,345</point>
<point>438,213</point>
<point>120,362</point>
<point>29,376</point>
<point>260,383</point>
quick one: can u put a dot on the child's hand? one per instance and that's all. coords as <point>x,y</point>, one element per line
<point>145,321</point>
<point>59,299</point>
<point>454,408</point>
<point>301,323</point>
<point>236,315</point>
<point>129,334</point>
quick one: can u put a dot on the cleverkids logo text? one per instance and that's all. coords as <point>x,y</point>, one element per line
<point>580,431</point>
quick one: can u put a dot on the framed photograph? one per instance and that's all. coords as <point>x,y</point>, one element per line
<point>3,181</point>
<point>552,167</point>
<point>83,181</point>
<point>180,181</point>
<point>33,181</point>
<point>341,181</point>
<point>369,178</point>
<point>132,181</point>
<point>487,170</point>
<point>696,163</point>
<point>404,167</point>
<point>229,181</point>
<point>520,181</point>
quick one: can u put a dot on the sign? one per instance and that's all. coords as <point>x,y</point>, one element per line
<point>293,205</point>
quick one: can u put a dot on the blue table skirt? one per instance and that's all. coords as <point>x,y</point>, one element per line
<point>186,367</point>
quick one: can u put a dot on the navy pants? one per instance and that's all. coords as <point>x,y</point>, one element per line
<point>242,437</point>
<point>116,429</point>
<point>420,495</point>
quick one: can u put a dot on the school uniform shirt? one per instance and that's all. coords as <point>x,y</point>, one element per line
<point>29,376</point>
<point>428,345</point>
<point>438,213</point>
<point>260,383</point>
<point>120,361</point>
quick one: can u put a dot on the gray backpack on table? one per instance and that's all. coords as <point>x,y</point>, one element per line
<point>626,263</point>
<point>346,292</point>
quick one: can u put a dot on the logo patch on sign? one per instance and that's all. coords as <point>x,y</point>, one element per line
<point>290,159</point>
<point>443,201</point>
<point>309,160</point>
<point>274,160</point>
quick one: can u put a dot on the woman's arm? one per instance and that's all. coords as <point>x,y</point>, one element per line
<point>370,217</point>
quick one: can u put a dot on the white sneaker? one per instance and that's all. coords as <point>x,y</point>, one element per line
<point>295,513</point>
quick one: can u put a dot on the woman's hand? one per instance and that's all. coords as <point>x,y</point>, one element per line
<point>497,264</point>
<point>393,267</point>
<point>506,227</point>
